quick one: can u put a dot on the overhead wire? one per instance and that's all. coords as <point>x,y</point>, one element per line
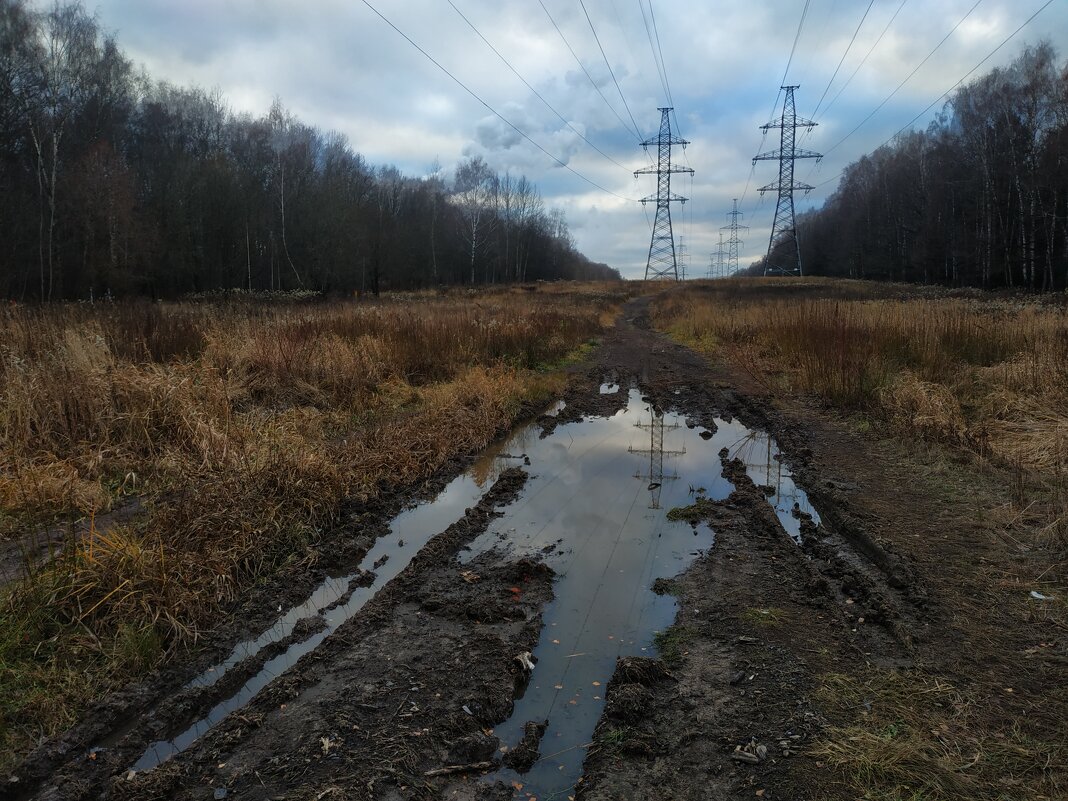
<point>871,50</point>
<point>906,80</point>
<point>608,64</point>
<point>815,168</point>
<point>652,49</point>
<point>526,83</point>
<point>843,58</point>
<point>494,111</point>
<point>962,79</point>
<point>663,64</point>
<point>582,66</point>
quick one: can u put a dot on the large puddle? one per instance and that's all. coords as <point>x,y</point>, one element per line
<point>595,510</point>
<point>330,601</point>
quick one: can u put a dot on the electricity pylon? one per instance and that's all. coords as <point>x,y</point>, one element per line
<point>655,476</point>
<point>715,264</point>
<point>784,227</point>
<point>662,261</point>
<point>733,242</point>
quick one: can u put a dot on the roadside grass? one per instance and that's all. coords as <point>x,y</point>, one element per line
<point>241,427</point>
<point>963,387</point>
<point>768,616</point>
<point>986,375</point>
<point>909,736</point>
<point>672,644</point>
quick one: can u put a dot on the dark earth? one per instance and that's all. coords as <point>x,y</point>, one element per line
<point>400,702</point>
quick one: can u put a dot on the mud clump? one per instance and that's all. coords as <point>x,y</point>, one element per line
<point>523,756</point>
<point>473,748</point>
<point>643,670</point>
<point>628,703</point>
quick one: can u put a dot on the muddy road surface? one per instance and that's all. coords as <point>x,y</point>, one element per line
<point>636,595</point>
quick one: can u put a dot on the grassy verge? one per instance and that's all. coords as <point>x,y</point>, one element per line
<point>240,428</point>
<point>982,382</point>
<point>987,376</point>
<point>915,736</point>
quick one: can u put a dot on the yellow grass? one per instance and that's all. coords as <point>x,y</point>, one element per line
<point>988,374</point>
<point>242,427</point>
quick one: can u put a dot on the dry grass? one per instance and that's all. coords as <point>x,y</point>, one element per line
<point>987,375</point>
<point>985,380</point>
<point>242,427</point>
<point>907,736</point>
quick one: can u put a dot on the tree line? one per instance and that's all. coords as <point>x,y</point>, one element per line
<point>115,183</point>
<point>978,199</point>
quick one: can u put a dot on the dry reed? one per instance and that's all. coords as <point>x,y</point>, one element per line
<point>243,426</point>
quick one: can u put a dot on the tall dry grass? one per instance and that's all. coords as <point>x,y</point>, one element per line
<point>987,374</point>
<point>241,427</point>
<point>986,378</point>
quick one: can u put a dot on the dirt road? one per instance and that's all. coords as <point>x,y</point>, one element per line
<point>799,560</point>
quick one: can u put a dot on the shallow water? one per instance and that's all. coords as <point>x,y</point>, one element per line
<point>595,510</point>
<point>409,532</point>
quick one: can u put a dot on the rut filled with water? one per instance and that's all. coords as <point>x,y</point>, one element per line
<point>595,510</point>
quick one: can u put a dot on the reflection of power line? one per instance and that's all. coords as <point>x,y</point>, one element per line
<point>656,428</point>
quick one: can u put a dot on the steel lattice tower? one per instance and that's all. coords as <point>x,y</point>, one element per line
<point>663,262</point>
<point>783,225</point>
<point>733,242</point>
<point>715,262</point>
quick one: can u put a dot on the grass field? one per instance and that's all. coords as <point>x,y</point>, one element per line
<point>988,375</point>
<point>965,385</point>
<point>238,428</point>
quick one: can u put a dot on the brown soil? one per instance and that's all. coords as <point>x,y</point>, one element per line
<point>907,573</point>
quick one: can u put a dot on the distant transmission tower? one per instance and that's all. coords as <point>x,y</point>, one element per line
<point>784,226</point>
<point>716,264</point>
<point>662,262</point>
<point>733,242</point>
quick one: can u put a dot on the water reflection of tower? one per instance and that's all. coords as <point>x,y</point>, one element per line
<point>655,476</point>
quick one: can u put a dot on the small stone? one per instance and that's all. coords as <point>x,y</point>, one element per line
<point>220,793</point>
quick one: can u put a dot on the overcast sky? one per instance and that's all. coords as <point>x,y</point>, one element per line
<point>338,65</point>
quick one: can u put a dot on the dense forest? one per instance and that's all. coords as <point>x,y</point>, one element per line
<point>118,184</point>
<point>978,199</point>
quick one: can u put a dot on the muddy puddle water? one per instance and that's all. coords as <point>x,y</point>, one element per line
<point>335,600</point>
<point>595,510</point>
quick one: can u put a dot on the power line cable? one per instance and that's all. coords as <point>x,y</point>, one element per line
<point>652,49</point>
<point>818,166</point>
<point>494,111</point>
<point>537,94</point>
<point>843,58</point>
<point>871,50</point>
<point>797,37</point>
<point>582,66</point>
<point>663,64</point>
<point>611,72</point>
<point>963,78</point>
<point>907,79</point>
